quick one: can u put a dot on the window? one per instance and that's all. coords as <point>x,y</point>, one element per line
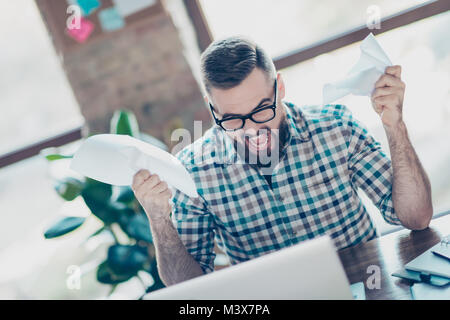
<point>37,101</point>
<point>282,26</point>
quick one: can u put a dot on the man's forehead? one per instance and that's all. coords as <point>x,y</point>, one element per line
<point>242,98</point>
<point>226,103</point>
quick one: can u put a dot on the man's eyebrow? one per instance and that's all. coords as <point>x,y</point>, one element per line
<point>259,105</point>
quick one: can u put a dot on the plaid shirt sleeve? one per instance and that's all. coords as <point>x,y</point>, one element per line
<point>370,168</point>
<point>195,226</point>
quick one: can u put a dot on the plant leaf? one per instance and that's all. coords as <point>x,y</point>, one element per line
<point>69,188</point>
<point>136,226</point>
<point>101,210</point>
<point>96,233</point>
<point>52,157</point>
<point>127,259</point>
<point>153,270</point>
<point>124,122</point>
<point>97,197</point>
<point>158,284</point>
<point>122,194</point>
<point>106,275</point>
<point>62,226</point>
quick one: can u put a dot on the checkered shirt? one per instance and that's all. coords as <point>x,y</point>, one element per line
<point>329,155</point>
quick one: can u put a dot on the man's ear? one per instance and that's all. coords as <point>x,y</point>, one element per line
<point>281,88</point>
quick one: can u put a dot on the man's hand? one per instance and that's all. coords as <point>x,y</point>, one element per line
<point>152,193</point>
<point>387,98</point>
<point>174,262</point>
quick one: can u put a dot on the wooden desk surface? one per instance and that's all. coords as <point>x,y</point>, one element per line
<point>390,253</point>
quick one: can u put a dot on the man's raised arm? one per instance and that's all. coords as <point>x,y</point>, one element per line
<point>175,264</point>
<point>411,190</point>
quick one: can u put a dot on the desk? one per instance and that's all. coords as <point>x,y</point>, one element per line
<point>390,253</point>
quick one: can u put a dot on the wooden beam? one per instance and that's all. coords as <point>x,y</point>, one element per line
<point>204,35</point>
<point>34,149</point>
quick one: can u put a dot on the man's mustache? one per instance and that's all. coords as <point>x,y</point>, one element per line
<point>251,133</point>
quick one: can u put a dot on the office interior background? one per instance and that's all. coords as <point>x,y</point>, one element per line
<point>56,87</point>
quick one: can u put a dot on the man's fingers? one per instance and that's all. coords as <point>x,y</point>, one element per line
<point>160,187</point>
<point>385,91</point>
<point>146,185</point>
<point>139,178</point>
<point>396,71</point>
<point>167,193</point>
<point>377,106</point>
<point>151,182</point>
<point>387,80</point>
<point>384,100</point>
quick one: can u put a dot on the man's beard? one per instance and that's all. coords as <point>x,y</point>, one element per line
<point>270,156</point>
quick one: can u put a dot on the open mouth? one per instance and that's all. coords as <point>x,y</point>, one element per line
<point>259,142</point>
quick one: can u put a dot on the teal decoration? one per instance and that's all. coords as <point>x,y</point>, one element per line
<point>88,6</point>
<point>110,19</point>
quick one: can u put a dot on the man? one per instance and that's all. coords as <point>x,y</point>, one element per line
<point>322,156</point>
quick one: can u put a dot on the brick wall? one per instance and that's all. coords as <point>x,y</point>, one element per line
<point>141,67</point>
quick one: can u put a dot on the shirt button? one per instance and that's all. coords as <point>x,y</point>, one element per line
<point>280,198</point>
<point>294,233</point>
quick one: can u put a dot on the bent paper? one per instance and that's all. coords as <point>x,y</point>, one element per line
<point>361,79</point>
<point>114,159</point>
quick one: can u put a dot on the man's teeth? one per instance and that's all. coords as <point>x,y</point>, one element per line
<point>259,141</point>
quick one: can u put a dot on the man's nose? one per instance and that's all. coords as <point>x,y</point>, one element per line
<point>251,127</point>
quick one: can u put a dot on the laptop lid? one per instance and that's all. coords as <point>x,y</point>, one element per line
<point>308,270</point>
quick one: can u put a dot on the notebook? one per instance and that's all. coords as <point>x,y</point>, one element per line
<point>443,250</point>
<point>431,263</point>
<point>419,277</point>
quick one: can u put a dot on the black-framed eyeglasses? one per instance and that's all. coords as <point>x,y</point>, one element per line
<point>260,115</point>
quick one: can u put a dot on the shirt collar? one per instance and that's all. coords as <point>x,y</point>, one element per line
<point>297,124</point>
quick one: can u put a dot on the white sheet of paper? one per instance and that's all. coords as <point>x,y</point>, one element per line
<point>360,80</point>
<point>425,291</point>
<point>128,7</point>
<point>114,159</point>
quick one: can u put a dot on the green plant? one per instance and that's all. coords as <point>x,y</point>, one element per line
<point>116,207</point>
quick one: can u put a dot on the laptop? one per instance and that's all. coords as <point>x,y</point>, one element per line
<point>308,270</point>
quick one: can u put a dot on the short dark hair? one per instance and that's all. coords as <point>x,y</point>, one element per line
<point>227,62</point>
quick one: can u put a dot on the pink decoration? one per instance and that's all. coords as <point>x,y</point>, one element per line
<point>82,33</point>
